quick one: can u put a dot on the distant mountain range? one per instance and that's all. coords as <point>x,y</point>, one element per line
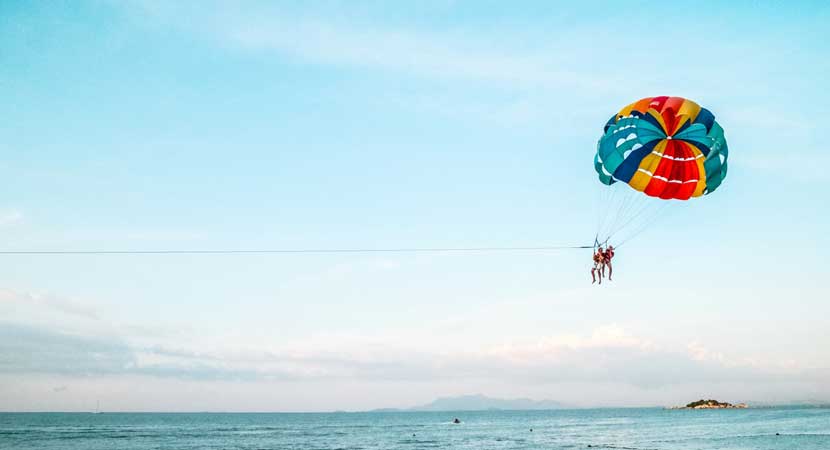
<point>480,402</point>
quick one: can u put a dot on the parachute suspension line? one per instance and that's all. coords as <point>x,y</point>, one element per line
<point>606,198</point>
<point>654,217</point>
<point>634,213</point>
<point>617,196</point>
<point>626,215</point>
<point>611,213</point>
<point>600,200</point>
<point>621,208</point>
<point>634,219</point>
<point>627,203</point>
<point>286,251</point>
<point>633,203</point>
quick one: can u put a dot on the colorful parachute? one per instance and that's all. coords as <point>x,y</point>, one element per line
<point>666,147</point>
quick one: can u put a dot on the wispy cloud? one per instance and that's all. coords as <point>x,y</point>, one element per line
<point>440,55</point>
<point>164,235</point>
<point>803,165</point>
<point>415,53</point>
<point>31,349</point>
<point>11,217</point>
<point>49,301</point>
<point>608,354</point>
<point>778,143</point>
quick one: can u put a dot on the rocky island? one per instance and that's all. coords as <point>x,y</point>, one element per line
<point>710,404</point>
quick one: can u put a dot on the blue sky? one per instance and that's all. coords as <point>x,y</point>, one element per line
<point>144,125</point>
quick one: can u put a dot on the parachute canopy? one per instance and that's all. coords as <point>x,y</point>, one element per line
<point>665,147</point>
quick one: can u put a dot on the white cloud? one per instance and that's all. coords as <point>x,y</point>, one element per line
<point>423,54</point>
<point>375,265</point>
<point>604,337</point>
<point>607,366</point>
<point>31,349</point>
<point>454,54</point>
<point>804,165</point>
<point>608,354</point>
<point>700,353</point>
<point>10,218</point>
<point>48,301</point>
<point>164,235</point>
<point>433,354</point>
<point>797,154</point>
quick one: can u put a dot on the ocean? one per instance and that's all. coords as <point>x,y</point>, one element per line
<point>629,428</point>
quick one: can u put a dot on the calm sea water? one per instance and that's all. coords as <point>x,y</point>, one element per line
<point>797,428</point>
